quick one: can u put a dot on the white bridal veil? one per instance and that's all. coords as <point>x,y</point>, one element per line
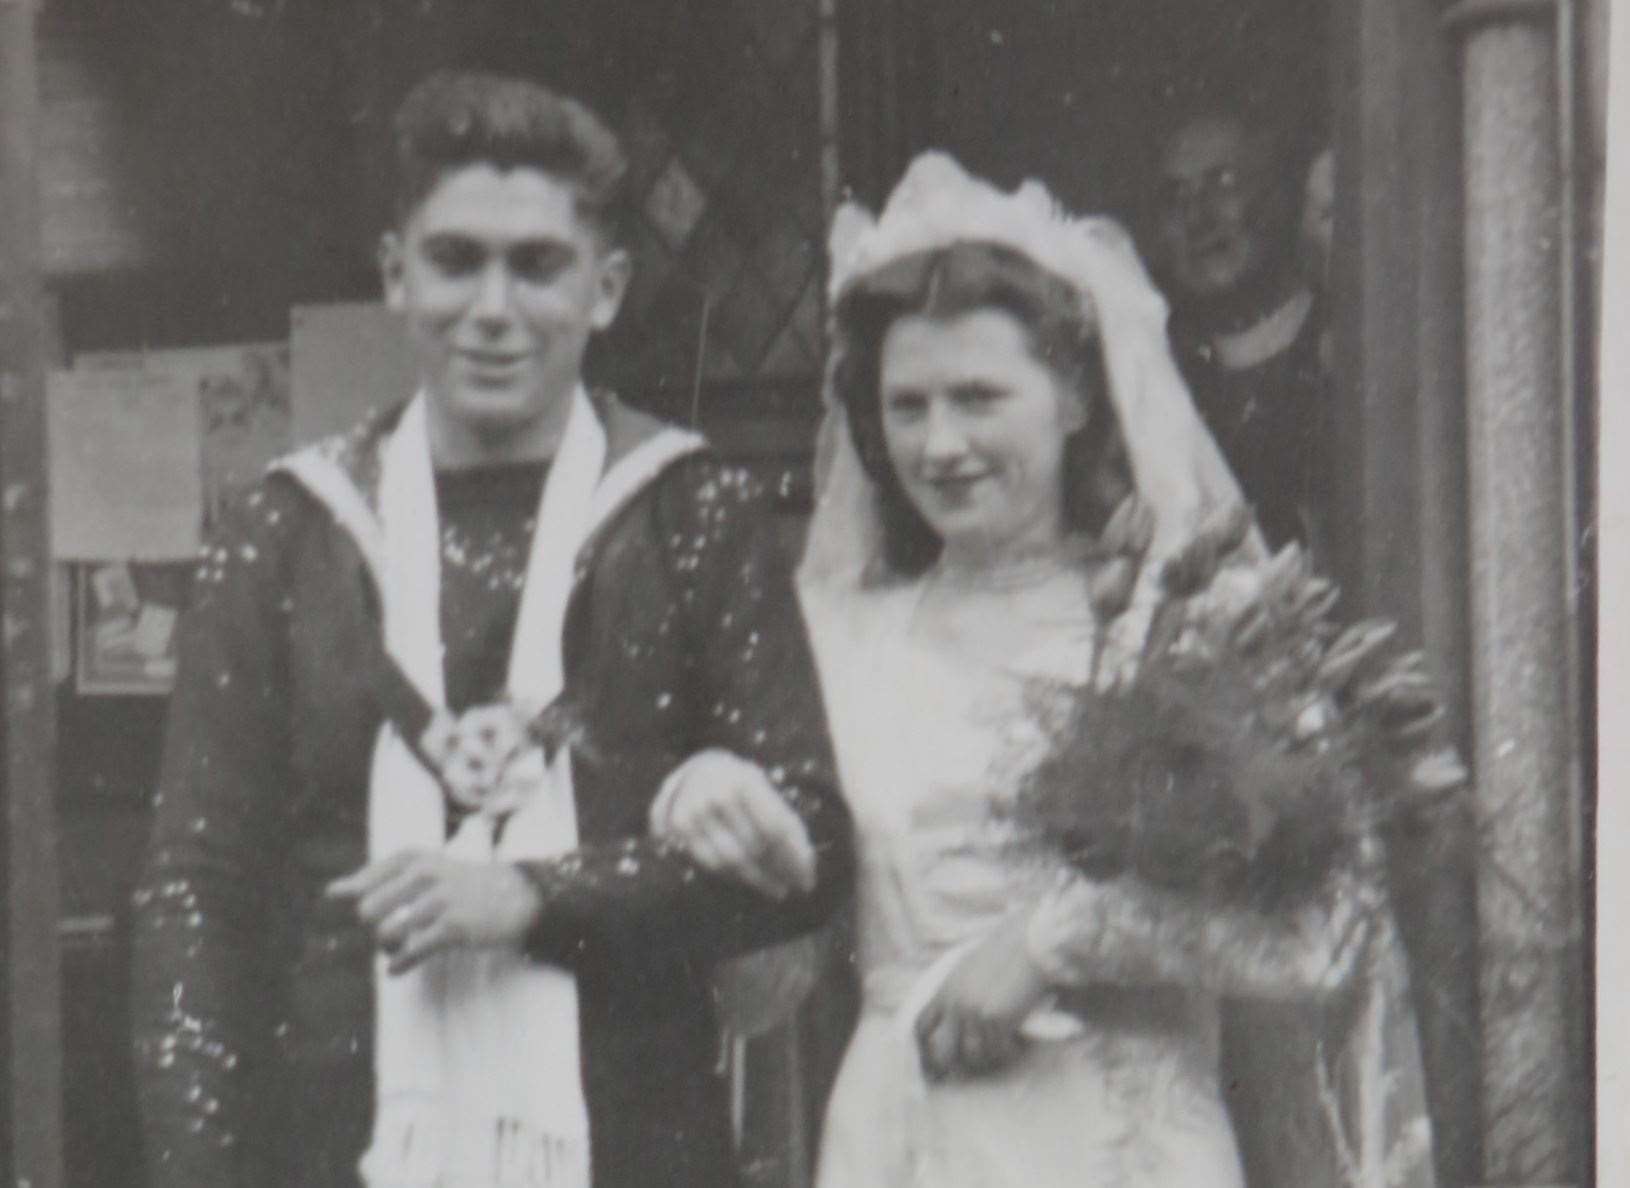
<point>1178,472</point>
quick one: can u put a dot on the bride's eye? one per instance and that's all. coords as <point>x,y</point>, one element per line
<point>904,404</point>
<point>978,397</point>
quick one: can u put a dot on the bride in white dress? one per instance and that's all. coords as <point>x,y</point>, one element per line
<point>997,366</point>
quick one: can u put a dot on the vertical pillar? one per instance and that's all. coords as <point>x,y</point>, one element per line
<point>1401,489</point>
<point>31,979</point>
<point>1526,741</point>
<point>1612,963</point>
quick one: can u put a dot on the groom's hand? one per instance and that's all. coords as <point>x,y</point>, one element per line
<point>420,902</point>
<point>728,816</point>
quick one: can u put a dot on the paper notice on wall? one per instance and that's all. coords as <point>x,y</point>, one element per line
<point>127,616</point>
<point>62,616</point>
<point>243,407</point>
<point>124,452</point>
<point>343,361</point>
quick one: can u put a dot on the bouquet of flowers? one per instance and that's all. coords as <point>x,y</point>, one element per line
<point>1248,743</point>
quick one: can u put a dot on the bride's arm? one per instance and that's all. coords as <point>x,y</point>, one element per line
<point>1127,932</point>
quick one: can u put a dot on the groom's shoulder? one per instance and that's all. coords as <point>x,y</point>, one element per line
<point>687,481</point>
<point>679,462</point>
<point>630,429</point>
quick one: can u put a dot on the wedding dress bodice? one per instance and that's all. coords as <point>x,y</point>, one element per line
<point>937,699</point>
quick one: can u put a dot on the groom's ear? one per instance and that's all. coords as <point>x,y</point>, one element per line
<point>392,267</point>
<point>613,270</point>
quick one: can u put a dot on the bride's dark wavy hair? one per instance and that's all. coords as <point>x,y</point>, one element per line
<point>946,283</point>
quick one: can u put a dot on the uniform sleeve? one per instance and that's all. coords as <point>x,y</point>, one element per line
<point>203,1002</point>
<point>1128,932</point>
<point>751,682</point>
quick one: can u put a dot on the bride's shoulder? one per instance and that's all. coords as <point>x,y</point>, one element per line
<point>864,612</point>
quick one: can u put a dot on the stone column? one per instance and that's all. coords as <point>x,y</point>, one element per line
<point>31,1138</point>
<point>1525,736</point>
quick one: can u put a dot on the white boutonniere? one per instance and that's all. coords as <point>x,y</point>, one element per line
<point>493,758</point>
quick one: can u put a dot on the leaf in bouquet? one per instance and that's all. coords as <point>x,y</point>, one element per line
<point>1314,717</point>
<point>1192,567</point>
<point>1188,818</point>
<point>1250,630</point>
<point>1078,800</point>
<point>1110,584</point>
<point>1439,772</point>
<point>1167,624</point>
<point>1411,664</point>
<point>1307,816</point>
<point>1129,530</point>
<point>1283,573</point>
<point>1222,614</point>
<point>1307,653</point>
<point>1402,709</point>
<point>1313,600</point>
<point>1296,860</point>
<point>1348,657</point>
<point>1413,720</point>
<point>1285,658</point>
<point>1399,683</point>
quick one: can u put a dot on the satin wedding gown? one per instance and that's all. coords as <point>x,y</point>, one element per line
<point>931,693</point>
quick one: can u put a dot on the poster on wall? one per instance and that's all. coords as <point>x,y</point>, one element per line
<point>124,454</point>
<point>126,627</point>
<point>242,393</point>
<point>61,610</point>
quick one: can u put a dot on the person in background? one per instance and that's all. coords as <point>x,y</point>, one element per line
<point>397,926</point>
<point>1319,218</point>
<point>1224,237</point>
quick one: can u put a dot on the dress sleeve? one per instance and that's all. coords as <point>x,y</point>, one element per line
<point>203,1000</point>
<point>751,683</point>
<point>1128,932</point>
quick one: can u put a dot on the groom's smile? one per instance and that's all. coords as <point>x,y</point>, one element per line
<point>501,282</point>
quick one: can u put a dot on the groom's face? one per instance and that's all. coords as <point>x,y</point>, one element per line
<point>501,282</point>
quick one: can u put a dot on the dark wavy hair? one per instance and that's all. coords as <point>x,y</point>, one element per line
<point>455,118</point>
<point>947,283</point>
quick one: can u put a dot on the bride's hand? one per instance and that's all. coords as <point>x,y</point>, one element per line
<point>972,1023</point>
<point>728,816</point>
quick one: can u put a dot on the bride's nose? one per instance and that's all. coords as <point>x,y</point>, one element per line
<point>943,438</point>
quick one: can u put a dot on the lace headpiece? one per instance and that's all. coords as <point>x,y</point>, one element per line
<point>938,204</point>
<point>1176,466</point>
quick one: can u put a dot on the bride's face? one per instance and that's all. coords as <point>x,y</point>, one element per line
<point>975,426</point>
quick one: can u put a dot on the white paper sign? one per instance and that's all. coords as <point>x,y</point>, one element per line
<point>243,401</point>
<point>124,453</point>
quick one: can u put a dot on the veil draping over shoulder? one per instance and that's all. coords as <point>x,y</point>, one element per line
<point>1177,470</point>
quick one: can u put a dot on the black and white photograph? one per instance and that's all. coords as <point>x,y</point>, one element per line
<point>811,594</point>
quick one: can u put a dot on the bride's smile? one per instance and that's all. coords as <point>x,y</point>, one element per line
<point>975,425</point>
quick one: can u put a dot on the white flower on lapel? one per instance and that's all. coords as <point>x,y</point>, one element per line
<point>485,757</point>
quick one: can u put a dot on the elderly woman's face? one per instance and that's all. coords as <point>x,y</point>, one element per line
<point>975,427</point>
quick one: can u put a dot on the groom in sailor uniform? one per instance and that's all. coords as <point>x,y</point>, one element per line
<point>402,922</point>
